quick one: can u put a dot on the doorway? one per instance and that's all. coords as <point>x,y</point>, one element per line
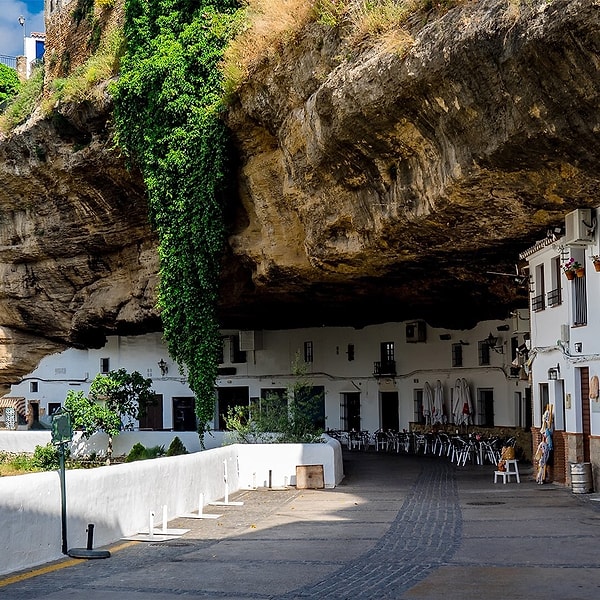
<point>184,416</point>
<point>228,398</point>
<point>390,419</point>
<point>153,419</point>
<point>485,407</point>
<point>350,411</point>
<point>584,395</point>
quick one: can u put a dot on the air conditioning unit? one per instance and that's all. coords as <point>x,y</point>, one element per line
<point>416,331</point>
<point>579,227</point>
<point>250,340</point>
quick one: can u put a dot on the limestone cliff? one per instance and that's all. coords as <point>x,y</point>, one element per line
<point>375,183</point>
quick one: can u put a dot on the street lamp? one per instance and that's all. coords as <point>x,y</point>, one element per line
<point>22,23</point>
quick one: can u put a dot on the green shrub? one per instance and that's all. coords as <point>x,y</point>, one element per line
<point>176,447</point>
<point>24,103</point>
<point>46,458</point>
<point>140,452</point>
<point>137,452</point>
<point>155,452</point>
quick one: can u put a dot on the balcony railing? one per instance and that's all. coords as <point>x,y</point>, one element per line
<point>554,297</point>
<point>9,61</point>
<point>384,368</point>
<point>538,303</point>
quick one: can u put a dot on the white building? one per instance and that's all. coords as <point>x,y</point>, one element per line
<point>372,378</point>
<point>33,53</point>
<point>565,342</point>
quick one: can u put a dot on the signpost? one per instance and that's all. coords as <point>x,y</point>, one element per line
<point>62,433</point>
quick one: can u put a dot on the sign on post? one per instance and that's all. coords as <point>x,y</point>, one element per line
<point>62,431</point>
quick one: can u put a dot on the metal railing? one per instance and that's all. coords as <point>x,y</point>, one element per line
<point>9,61</point>
<point>384,368</point>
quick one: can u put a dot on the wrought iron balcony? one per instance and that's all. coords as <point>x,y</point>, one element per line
<point>384,368</point>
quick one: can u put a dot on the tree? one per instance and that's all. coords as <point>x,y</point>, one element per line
<point>293,418</point>
<point>115,400</point>
<point>9,84</point>
<point>90,417</point>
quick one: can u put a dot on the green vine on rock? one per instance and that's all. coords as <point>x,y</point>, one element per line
<point>167,116</point>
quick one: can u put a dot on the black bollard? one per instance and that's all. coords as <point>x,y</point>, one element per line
<point>88,552</point>
<point>90,532</point>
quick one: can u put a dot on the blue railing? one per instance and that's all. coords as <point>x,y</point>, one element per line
<point>9,61</point>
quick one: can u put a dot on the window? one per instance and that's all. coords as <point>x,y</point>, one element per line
<point>53,407</point>
<point>418,415</point>
<point>33,387</point>
<point>554,295</point>
<point>350,352</point>
<point>538,301</point>
<point>457,357</point>
<point>484,352</point>
<point>235,354</point>
<point>579,301</point>
<point>308,352</point>
<point>105,365</point>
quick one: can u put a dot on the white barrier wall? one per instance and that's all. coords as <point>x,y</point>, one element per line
<point>118,499</point>
<point>26,441</point>
<point>256,460</point>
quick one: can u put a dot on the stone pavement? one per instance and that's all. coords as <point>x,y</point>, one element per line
<point>398,527</point>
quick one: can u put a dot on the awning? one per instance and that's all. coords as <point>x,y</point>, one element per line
<point>19,404</point>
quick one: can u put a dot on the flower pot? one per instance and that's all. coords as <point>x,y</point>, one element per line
<point>580,272</point>
<point>570,275</point>
<point>597,265</point>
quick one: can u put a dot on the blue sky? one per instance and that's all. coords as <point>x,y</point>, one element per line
<point>11,33</point>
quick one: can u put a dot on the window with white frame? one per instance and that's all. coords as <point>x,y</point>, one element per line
<point>308,352</point>
<point>457,355</point>
<point>538,300</point>
<point>554,295</point>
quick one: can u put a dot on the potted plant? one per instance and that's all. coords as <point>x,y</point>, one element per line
<point>596,260</point>
<point>572,268</point>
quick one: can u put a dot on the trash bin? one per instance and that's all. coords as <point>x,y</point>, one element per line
<point>581,478</point>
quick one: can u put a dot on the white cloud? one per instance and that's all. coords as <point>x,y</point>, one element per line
<point>11,33</point>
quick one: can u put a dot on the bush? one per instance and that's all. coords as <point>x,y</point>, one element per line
<point>176,447</point>
<point>140,452</point>
<point>137,452</point>
<point>46,458</point>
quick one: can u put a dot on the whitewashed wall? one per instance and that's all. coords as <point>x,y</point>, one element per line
<point>118,499</point>
<point>270,367</point>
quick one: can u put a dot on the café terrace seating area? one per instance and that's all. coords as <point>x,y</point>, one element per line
<point>460,449</point>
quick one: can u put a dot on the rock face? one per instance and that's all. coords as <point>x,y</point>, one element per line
<point>387,185</point>
<point>77,256</point>
<point>374,184</point>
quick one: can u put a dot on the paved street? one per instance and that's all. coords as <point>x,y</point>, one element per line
<point>401,527</point>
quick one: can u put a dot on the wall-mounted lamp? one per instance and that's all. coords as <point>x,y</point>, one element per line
<point>463,343</point>
<point>578,346</point>
<point>503,327</point>
<point>554,373</point>
<point>492,341</point>
<point>445,336</point>
<point>162,365</point>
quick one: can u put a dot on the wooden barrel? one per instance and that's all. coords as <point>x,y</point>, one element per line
<point>581,478</point>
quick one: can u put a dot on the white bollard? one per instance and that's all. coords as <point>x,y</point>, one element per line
<point>164,518</point>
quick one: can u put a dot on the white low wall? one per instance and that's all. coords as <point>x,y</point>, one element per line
<point>118,499</point>
<point>257,460</point>
<point>26,441</point>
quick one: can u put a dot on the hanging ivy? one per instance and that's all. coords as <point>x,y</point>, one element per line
<point>167,117</point>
